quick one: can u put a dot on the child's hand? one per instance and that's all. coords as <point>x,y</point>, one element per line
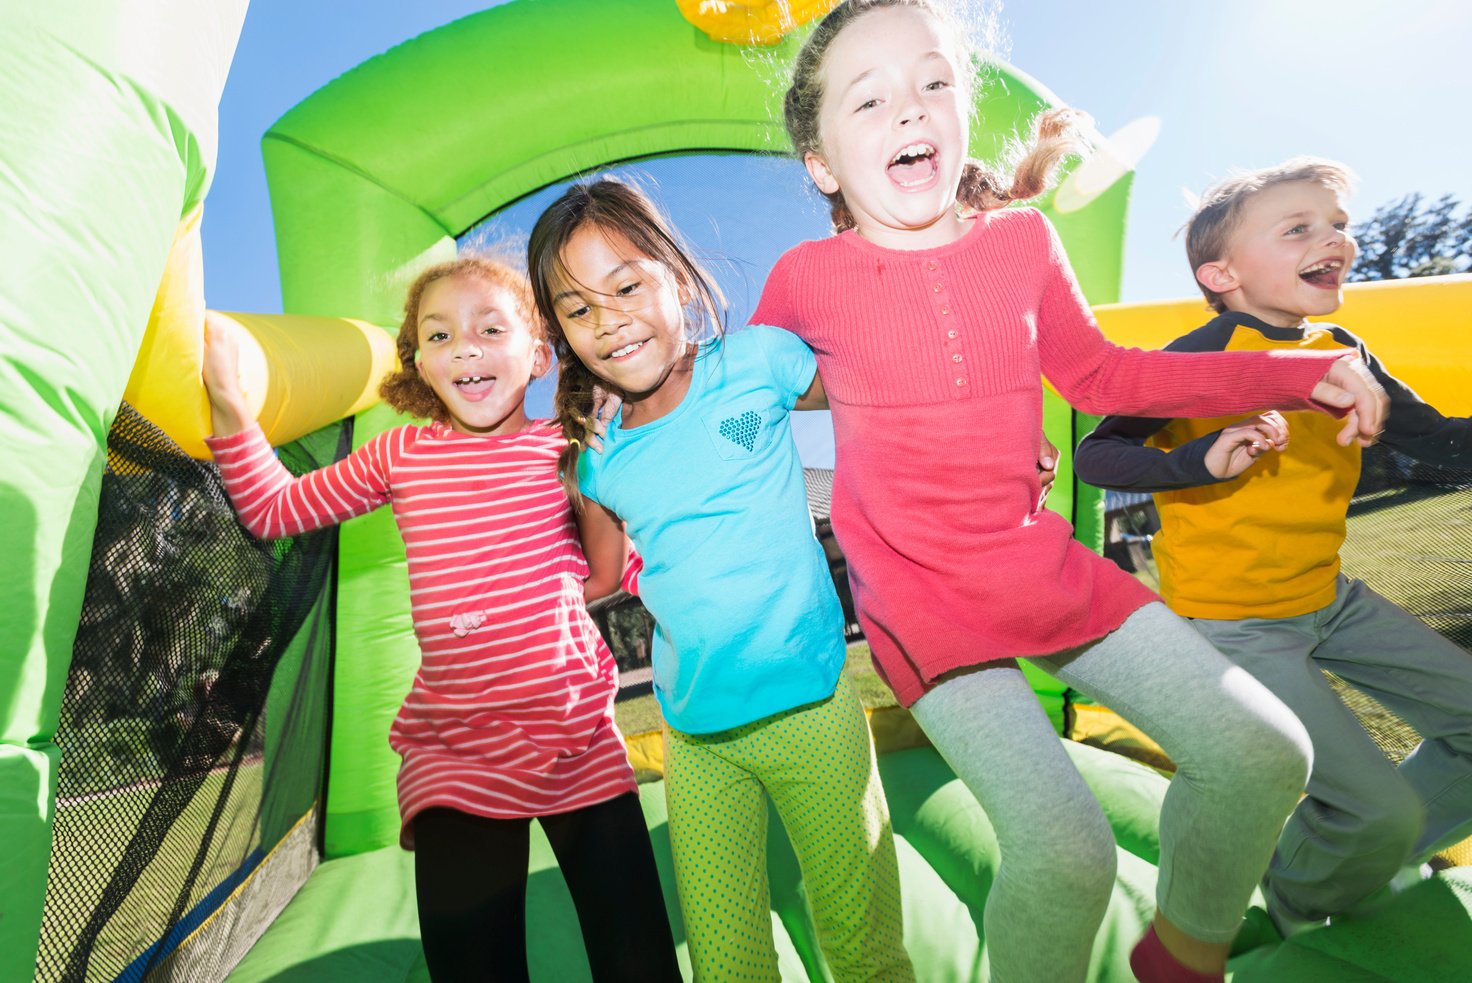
<point>1239,445</point>
<point>220,371</point>
<point>1349,385</point>
<point>1047,468</point>
<point>605,411</point>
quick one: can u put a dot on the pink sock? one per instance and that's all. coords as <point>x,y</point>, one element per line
<point>1152,963</point>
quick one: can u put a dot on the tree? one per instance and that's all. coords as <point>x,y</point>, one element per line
<point>1410,237</point>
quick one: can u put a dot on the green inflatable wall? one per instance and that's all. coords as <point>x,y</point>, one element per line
<point>108,135</point>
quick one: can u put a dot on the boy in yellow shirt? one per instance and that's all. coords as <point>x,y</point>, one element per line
<point>1249,547</point>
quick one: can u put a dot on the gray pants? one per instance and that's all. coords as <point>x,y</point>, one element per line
<point>1364,818</point>
<point>1242,760</point>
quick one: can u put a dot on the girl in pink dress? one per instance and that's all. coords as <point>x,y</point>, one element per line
<point>932,326</point>
<point>510,715</point>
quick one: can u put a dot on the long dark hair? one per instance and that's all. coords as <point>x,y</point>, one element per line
<point>615,207</point>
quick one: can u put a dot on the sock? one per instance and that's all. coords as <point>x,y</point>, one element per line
<point>1152,963</point>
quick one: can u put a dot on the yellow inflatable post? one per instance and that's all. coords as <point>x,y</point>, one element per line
<point>299,373</point>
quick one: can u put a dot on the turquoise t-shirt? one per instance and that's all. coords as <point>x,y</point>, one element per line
<point>747,620</point>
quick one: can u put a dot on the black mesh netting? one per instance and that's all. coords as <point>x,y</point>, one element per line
<point>1409,538</point>
<point>169,718</point>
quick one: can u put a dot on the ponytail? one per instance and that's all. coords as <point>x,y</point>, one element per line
<point>1057,135</point>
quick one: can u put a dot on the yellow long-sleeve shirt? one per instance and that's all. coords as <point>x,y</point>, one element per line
<point>1264,544</point>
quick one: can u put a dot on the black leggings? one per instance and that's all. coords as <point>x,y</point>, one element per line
<point>470,878</point>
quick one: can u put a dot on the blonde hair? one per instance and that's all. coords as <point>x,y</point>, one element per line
<point>403,389</point>
<point>612,206</point>
<point>1056,133</point>
<point>1220,208</point>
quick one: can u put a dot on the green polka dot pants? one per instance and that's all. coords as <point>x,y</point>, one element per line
<point>817,764</point>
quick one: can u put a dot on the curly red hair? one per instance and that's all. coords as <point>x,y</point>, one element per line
<point>403,389</point>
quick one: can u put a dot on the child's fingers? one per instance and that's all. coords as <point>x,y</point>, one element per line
<point>607,407</point>
<point>1366,396</point>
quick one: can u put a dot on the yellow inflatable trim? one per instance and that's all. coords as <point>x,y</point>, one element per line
<point>752,21</point>
<point>299,373</point>
<point>1421,329</point>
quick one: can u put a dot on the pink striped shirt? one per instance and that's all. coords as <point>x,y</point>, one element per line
<point>511,711</point>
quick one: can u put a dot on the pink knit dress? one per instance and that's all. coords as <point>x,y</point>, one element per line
<point>511,712</point>
<point>931,360</point>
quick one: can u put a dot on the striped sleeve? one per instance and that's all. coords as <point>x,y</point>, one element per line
<point>272,504</point>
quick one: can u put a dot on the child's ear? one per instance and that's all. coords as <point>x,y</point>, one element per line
<point>541,359</point>
<point>418,369</point>
<point>1217,277</point>
<point>819,172</point>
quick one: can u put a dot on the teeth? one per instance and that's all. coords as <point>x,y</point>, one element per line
<point>621,352</point>
<point>913,150</point>
<point>469,379</point>
<point>1324,267</point>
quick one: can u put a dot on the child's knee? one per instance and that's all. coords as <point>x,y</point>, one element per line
<point>1271,750</point>
<point>1078,848</point>
<point>1394,822</point>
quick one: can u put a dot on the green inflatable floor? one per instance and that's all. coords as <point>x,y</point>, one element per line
<point>355,918</point>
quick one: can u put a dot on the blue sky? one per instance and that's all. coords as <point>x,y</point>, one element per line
<point>1235,83</point>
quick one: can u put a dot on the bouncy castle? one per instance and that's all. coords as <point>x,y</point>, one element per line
<point>195,782</point>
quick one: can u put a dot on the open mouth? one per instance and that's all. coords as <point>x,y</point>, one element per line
<point>1324,275</point>
<point>627,350</point>
<point>913,166</point>
<point>474,385</point>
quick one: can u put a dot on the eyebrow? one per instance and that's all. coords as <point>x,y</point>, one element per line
<point>932,55</point>
<point>478,312</point>
<point>574,293</point>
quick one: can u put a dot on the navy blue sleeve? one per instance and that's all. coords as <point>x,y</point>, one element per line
<point>1114,456</point>
<point>1415,427</point>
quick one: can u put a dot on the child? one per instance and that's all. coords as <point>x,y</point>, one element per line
<point>511,713</point>
<point>1251,551</point>
<point>749,652</point>
<point>931,327</point>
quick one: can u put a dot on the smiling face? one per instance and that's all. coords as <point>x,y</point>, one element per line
<point>1286,256</point>
<point>623,315</point>
<point>478,354</point>
<point>893,127</point>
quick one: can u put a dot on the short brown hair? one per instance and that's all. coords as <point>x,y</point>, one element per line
<point>403,389</point>
<point>1216,215</point>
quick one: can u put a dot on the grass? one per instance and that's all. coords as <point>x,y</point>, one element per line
<point>90,840</point>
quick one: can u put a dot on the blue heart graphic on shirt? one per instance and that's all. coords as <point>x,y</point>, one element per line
<point>741,429</point>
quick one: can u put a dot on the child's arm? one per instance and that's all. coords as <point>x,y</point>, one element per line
<point>1114,456</point>
<point>1099,377</point>
<point>271,503</point>
<point>1414,427</point>
<point>816,399</point>
<point>605,546</point>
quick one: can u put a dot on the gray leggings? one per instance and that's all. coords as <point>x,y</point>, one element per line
<point>1242,760</point>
